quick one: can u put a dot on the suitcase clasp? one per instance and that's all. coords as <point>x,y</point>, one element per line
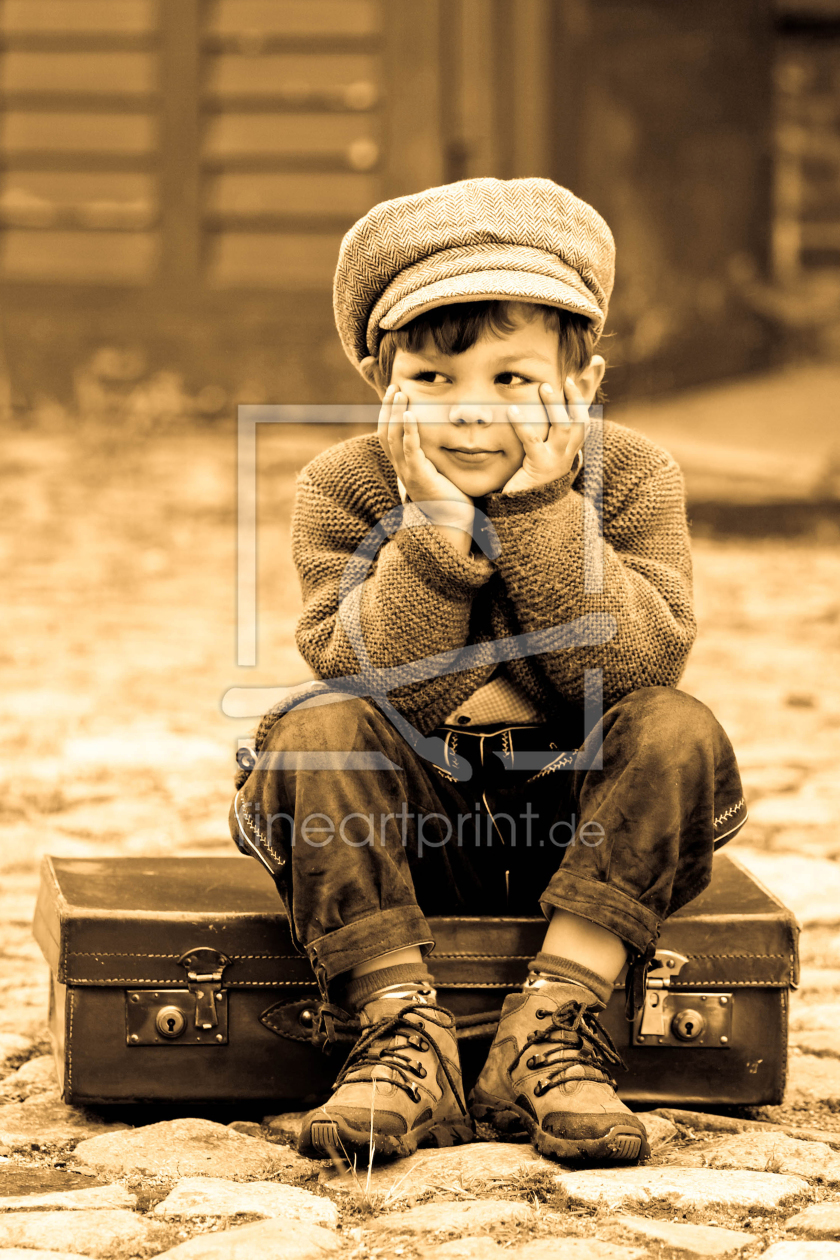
<point>666,965</point>
<point>681,1019</point>
<point>204,968</point>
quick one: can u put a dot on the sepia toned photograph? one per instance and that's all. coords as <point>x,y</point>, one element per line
<point>420,702</point>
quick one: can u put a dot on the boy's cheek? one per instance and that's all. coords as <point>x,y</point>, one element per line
<point>432,421</point>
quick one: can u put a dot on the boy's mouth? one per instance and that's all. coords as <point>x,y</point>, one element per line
<point>470,454</point>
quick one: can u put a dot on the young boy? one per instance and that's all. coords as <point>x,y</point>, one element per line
<point>492,660</point>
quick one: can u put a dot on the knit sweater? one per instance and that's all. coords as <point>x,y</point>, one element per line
<point>415,597</point>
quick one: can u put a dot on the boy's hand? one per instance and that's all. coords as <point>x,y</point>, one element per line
<point>552,456</point>
<point>399,436</point>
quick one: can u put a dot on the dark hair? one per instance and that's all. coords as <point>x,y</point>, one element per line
<point>458,327</point>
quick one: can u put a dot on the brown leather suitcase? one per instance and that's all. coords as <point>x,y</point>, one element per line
<point>175,980</point>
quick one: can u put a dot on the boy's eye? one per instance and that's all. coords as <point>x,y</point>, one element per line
<point>428,378</point>
<point>512,378</point>
<point>506,379</point>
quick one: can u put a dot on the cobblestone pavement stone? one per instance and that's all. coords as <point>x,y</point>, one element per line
<point>174,1149</point>
<point>445,1218</point>
<point>766,1151</point>
<point>682,1187</point>
<point>119,646</point>
<point>70,1200</point>
<point>473,1169</point>
<point>217,1197</point>
<point>267,1240</point>
<point>686,1240</point>
<point>803,1251</point>
<point>102,1233</point>
<point>820,1220</point>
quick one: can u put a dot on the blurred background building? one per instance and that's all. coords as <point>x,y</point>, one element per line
<point>177,176</point>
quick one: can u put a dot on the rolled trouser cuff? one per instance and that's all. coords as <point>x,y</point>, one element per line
<point>367,938</point>
<point>603,904</point>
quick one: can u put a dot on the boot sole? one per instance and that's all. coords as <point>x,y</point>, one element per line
<point>623,1143</point>
<point>327,1139</point>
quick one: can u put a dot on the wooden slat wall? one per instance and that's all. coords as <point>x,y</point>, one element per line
<point>212,143</point>
<point>292,145</point>
<point>806,233</point>
<point>179,173</point>
<point>79,140</point>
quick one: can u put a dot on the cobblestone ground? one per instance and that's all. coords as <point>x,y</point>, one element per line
<point>118,646</point>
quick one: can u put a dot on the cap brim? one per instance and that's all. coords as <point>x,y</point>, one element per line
<point>486,286</point>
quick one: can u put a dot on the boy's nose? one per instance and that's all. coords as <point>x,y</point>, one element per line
<point>470,413</point>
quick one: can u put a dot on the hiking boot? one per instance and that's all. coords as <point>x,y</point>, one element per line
<point>400,1087</point>
<point>547,1074</point>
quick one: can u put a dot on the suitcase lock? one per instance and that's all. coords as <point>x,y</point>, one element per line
<point>681,1019</point>
<point>194,1015</point>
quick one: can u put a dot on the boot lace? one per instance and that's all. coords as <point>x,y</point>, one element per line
<point>574,1038</point>
<point>400,1035</point>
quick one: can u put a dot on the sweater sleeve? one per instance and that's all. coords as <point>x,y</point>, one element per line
<point>638,581</point>
<point>408,599</point>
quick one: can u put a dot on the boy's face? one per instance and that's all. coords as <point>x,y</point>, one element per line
<point>461,400</point>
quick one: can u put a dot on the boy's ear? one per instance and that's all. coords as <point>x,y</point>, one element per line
<point>589,378</point>
<point>372,373</point>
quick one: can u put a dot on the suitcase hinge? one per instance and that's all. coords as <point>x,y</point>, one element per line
<point>204,968</point>
<point>665,967</point>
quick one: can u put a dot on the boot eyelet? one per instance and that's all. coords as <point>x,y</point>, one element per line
<point>421,1071</point>
<point>542,1013</point>
<point>538,1089</point>
<point>531,1063</point>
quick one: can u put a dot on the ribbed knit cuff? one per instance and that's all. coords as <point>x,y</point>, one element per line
<point>565,969</point>
<point>358,991</point>
<point>436,563</point>
<point>500,506</point>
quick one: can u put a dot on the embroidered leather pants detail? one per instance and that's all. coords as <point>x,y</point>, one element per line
<point>375,837</point>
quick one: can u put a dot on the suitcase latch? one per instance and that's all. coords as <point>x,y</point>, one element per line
<point>204,968</point>
<point>664,967</point>
<point>681,1019</point>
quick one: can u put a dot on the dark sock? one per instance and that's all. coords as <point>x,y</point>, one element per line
<point>360,990</point>
<point>554,968</point>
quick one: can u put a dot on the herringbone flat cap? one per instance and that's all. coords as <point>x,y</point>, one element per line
<point>478,239</point>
